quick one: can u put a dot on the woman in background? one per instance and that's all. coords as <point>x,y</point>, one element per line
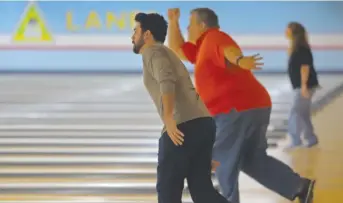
<point>304,81</point>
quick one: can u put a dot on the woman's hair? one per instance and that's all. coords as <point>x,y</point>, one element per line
<point>299,36</point>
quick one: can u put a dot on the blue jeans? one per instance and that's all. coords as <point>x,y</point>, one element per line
<point>300,119</point>
<point>241,145</point>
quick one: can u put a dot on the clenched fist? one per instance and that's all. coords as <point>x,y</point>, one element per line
<point>173,14</point>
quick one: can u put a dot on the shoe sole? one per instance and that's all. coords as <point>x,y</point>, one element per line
<point>310,191</point>
<point>311,145</point>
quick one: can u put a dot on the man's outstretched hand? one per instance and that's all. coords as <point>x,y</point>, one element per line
<point>253,62</point>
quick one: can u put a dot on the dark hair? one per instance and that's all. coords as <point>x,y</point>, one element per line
<point>299,35</point>
<point>155,23</point>
<point>207,16</point>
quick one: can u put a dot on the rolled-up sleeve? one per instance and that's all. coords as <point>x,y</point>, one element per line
<point>163,72</point>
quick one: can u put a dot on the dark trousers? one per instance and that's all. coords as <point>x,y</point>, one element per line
<point>191,161</point>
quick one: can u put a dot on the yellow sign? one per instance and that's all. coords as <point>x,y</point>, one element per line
<point>32,27</point>
<point>121,21</point>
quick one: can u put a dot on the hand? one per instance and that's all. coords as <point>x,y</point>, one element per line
<point>214,164</point>
<point>175,134</point>
<point>173,14</point>
<point>304,92</point>
<point>251,62</point>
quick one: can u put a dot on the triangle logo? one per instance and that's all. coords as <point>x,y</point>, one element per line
<point>32,27</point>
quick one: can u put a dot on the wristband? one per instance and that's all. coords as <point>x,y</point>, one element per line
<point>238,59</point>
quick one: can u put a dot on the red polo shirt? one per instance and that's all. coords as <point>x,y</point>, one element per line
<point>223,86</point>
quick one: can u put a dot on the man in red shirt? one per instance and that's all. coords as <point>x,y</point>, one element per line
<point>240,105</point>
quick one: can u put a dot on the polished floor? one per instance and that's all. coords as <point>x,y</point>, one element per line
<point>69,138</point>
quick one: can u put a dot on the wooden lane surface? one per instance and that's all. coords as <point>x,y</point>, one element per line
<point>325,161</point>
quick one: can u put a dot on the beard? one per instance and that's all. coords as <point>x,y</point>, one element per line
<point>138,45</point>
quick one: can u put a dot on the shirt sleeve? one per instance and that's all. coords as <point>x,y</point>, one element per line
<point>305,56</point>
<point>190,51</point>
<point>223,40</point>
<point>212,49</point>
<point>163,72</point>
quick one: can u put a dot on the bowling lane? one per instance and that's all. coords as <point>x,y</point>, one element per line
<point>136,182</point>
<point>252,197</point>
<point>93,138</point>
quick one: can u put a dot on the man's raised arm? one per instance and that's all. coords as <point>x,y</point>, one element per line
<point>175,38</point>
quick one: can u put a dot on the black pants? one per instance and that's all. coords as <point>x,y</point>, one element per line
<point>192,161</point>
